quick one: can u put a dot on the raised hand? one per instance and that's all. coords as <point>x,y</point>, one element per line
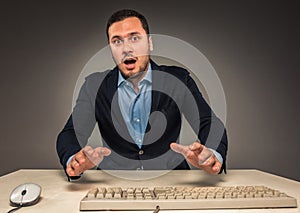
<point>199,156</point>
<point>86,159</point>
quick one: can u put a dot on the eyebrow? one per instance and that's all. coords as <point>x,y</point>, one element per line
<point>130,34</point>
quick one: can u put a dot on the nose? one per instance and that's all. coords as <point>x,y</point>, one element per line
<point>127,48</point>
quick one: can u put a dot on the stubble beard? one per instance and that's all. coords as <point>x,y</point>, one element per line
<point>141,72</point>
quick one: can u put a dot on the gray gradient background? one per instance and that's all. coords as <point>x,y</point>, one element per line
<point>253,46</point>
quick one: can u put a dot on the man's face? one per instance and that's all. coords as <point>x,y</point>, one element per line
<point>130,46</point>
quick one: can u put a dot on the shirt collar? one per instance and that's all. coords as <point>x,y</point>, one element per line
<point>147,77</point>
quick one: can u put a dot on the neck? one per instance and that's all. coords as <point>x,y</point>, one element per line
<point>135,79</point>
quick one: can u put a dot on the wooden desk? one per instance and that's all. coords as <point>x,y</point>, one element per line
<point>59,195</point>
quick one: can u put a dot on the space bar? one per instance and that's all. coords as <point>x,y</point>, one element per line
<point>238,203</point>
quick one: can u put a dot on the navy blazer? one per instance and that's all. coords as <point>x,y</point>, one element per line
<point>174,93</point>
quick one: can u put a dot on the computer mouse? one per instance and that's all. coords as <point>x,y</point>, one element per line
<point>25,194</point>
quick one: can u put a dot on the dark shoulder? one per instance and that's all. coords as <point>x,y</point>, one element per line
<point>96,76</point>
<point>175,70</point>
<point>94,80</point>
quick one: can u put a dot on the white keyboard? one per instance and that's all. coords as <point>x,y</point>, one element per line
<point>144,198</point>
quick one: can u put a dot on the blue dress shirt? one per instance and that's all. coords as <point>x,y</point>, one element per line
<point>135,106</point>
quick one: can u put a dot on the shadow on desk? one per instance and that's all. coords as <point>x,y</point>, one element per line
<point>142,178</point>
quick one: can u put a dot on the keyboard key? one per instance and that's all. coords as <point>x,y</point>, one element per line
<point>92,193</point>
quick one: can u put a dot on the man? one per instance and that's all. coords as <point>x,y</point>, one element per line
<point>138,107</point>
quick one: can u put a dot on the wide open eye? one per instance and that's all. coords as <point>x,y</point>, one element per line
<point>117,42</point>
<point>135,38</point>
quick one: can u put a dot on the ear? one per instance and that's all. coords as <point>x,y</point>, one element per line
<point>150,43</point>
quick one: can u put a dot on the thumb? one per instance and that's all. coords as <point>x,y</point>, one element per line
<point>104,151</point>
<point>184,150</point>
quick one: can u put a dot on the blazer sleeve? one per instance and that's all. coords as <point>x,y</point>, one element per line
<point>209,128</point>
<point>81,123</point>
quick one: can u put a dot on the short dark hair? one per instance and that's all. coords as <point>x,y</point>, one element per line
<point>126,13</point>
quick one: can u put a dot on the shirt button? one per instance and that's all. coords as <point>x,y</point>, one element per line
<point>140,140</point>
<point>141,152</point>
<point>137,120</point>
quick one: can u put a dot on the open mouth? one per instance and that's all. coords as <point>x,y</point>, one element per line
<point>130,63</point>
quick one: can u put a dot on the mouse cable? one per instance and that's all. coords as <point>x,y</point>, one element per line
<point>15,209</point>
<point>156,210</point>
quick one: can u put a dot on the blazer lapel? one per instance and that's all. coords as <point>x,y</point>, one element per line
<point>117,117</point>
<point>155,94</point>
<point>155,100</point>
